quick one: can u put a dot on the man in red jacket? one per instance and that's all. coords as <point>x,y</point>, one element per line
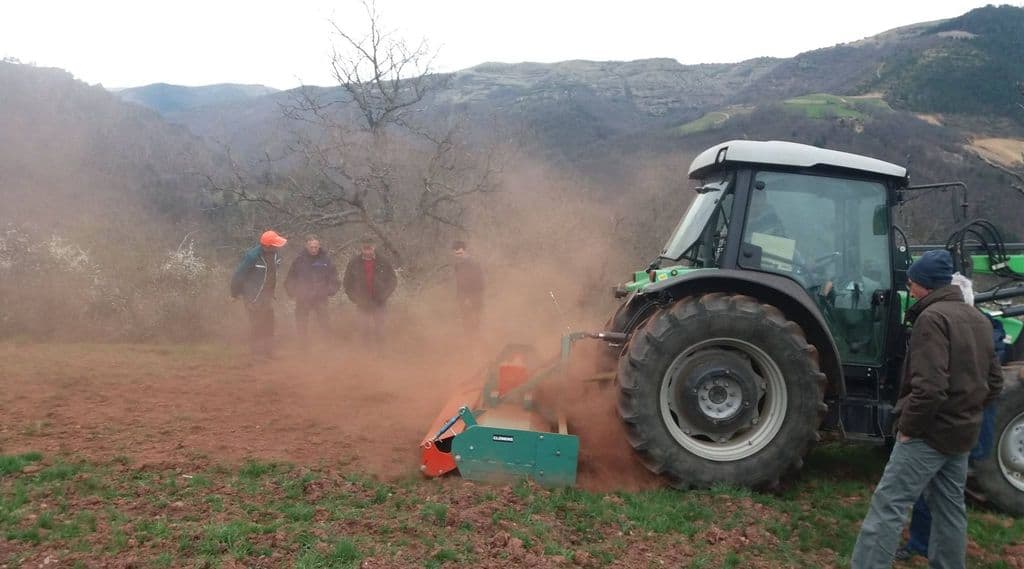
<point>369,281</point>
<point>950,374</point>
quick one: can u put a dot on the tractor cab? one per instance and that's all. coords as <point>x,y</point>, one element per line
<point>818,218</point>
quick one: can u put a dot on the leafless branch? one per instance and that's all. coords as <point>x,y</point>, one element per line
<point>356,148</point>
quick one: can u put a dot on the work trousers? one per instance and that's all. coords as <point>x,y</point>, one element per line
<point>921,520</point>
<point>915,468</point>
<point>372,322</point>
<point>470,309</point>
<point>319,309</point>
<point>261,327</point>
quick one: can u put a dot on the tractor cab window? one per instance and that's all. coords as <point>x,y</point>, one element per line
<point>821,232</point>
<point>699,239</point>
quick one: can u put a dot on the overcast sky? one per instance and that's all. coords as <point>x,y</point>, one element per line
<point>285,43</point>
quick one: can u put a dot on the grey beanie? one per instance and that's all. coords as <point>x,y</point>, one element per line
<point>933,270</point>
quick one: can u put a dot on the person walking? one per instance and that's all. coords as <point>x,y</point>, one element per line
<point>312,280</point>
<point>469,287</point>
<point>254,281</point>
<point>938,418</point>
<point>369,281</point>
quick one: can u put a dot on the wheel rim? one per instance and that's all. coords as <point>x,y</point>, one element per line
<point>1011,452</point>
<point>751,430</point>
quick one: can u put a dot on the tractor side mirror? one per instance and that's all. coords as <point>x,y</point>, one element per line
<point>880,221</point>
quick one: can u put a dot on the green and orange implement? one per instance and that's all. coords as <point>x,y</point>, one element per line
<point>511,428</point>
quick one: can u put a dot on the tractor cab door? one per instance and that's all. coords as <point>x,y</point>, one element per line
<point>823,232</point>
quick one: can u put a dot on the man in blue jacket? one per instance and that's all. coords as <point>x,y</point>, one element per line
<point>254,281</point>
<point>311,280</point>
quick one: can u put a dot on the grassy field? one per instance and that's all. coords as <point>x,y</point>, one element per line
<point>259,514</point>
<point>712,120</point>
<point>823,105</point>
<point>815,106</point>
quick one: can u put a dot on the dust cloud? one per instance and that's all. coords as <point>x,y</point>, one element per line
<point>550,261</point>
<point>551,249</point>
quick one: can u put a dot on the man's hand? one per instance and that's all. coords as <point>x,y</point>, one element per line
<point>902,438</point>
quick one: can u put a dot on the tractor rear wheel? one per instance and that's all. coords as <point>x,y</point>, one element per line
<point>721,389</point>
<point>1000,477</point>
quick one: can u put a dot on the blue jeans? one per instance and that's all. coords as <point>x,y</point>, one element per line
<point>915,468</point>
<point>921,520</point>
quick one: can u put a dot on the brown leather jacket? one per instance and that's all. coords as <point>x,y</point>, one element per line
<point>950,373</point>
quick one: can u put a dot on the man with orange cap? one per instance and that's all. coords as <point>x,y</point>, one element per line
<point>254,281</point>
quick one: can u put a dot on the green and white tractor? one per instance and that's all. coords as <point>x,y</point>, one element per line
<point>774,314</point>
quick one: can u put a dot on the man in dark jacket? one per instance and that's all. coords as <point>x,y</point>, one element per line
<point>950,374</point>
<point>254,281</point>
<point>369,281</point>
<point>311,280</point>
<point>469,287</point>
<point>921,519</point>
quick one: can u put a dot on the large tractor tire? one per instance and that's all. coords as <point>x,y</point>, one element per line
<point>1000,478</point>
<point>721,389</point>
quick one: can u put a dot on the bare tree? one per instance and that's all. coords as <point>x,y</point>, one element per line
<point>367,153</point>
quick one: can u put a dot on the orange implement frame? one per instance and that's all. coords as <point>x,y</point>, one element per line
<point>435,450</point>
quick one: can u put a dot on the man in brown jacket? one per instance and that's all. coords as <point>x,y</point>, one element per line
<point>469,288</point>
<point>950,374</point>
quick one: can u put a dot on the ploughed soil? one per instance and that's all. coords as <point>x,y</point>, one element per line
<point>202,456</point>
<point>357,406</point>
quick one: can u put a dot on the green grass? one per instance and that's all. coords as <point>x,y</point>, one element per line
<point>297,512</point>
<point>826,106</point>
<point>60,471</point>
<point>706,122</point>
<point>231,537</point>
<point>435,513</point>
<point>712,120</point>
<point>10,464</point>
<point>151,530</point>
<point>263,514</point>
<point>343,553</point>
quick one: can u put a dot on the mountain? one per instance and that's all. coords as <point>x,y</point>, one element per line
<point>962,67</point>
<point>73,154</point>
<point>972,64</point>
<point>169,99</point>
<point>936,93</point>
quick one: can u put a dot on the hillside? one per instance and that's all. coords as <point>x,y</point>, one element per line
<point>605,120</point>
<point>167,99</point>
<point>967,65</point>
<point>964,68</point>
<point>74,154</point>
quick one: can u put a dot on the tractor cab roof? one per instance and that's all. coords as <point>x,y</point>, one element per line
<point>788,154</point>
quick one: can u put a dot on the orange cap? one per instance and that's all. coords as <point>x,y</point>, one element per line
<point>272,239</point>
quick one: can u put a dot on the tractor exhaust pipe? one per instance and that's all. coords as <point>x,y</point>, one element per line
<point>999,294</point>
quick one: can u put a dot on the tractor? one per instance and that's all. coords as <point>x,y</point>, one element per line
<point>773,315</point>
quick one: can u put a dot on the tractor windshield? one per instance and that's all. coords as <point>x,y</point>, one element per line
<point>824,232</point>
<point>700,235</point>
